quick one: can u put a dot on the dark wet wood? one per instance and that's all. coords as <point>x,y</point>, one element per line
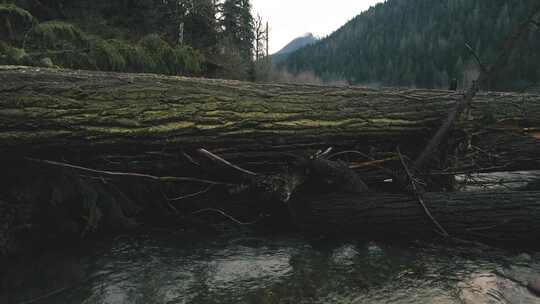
<point>497,216</point>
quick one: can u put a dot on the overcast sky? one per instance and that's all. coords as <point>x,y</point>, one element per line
<point>293,18</point>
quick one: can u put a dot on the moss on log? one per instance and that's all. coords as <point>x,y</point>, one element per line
<point>89,114</point>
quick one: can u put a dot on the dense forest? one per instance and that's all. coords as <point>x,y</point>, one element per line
<point>181,37</point>
<point>396,43</point>
<point>422,43</point>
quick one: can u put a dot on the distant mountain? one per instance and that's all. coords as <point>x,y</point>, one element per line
<point>297,43</point>
<point>421,43</point>
<point>292,46</point>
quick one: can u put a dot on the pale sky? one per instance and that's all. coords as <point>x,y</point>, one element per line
<point>289,19</point>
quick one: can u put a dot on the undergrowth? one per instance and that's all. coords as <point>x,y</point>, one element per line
<point>63,44</point>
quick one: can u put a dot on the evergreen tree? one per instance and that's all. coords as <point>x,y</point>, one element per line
<point>238,37</point>
<point>422,43</point>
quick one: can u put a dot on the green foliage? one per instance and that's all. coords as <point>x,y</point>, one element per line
<point>14,23</point>
<point>422,43</point>
<point>174,37</point>
<point>136,58</point>
<point>238,27</point>
<point>189,59</point>
<point>12,55</point>
<point>16,13</point>
<point>106,56</point>
<point>73,60</point>
<point>58,35</point>
<point>160,52</point>
<point>168,60</point>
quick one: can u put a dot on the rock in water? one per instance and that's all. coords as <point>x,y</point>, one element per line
<point>534,286</point>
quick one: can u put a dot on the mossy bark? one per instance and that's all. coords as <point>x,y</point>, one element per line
<point>63,113</point>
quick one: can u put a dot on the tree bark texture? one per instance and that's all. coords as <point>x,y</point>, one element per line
<point>509,216</point>
<point>63,113</point>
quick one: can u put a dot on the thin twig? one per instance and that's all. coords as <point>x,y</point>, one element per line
<point>373,160</point>
<point>372,163</point>
<point>478,60</point>
<point>226,163</point>
<point>419,196</point>
<point>227,216</point>
<point>113,173</point>
<point>48,295</point>
<point>190,159</point>
<point>167,202</point>
<point>323,154</point>
<point>190,195</point>
<point>350,152</point>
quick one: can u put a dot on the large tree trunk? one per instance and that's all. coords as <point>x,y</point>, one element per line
<point>78,115</point>
<point>496,216</point>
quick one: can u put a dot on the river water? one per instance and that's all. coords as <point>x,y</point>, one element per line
<point>168,267</point>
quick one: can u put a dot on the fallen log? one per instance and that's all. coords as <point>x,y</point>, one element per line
<point>498,216</point>
<point>137,119</point>
<point>97,125</point>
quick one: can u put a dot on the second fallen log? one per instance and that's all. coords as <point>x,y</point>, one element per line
<point>490,216</point>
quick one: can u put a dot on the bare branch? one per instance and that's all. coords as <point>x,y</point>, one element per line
<point>373,162</point>
<point>480,64</point>
<point>350,152</point>
<point>226,163</point>
<point>419,196</point>
<point>190,159</point>
<point>128,174</point>
<point>509,45</point>
<point>483,78</point>
<point>191,195</point>
<point>323,154</point>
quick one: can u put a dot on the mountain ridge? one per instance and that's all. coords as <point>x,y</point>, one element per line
<point>295,44</point>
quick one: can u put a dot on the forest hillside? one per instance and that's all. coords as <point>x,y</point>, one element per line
<point>185,37</point>
<point>421,43</point>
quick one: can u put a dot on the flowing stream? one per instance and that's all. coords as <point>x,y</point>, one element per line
<point>182,268</point>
